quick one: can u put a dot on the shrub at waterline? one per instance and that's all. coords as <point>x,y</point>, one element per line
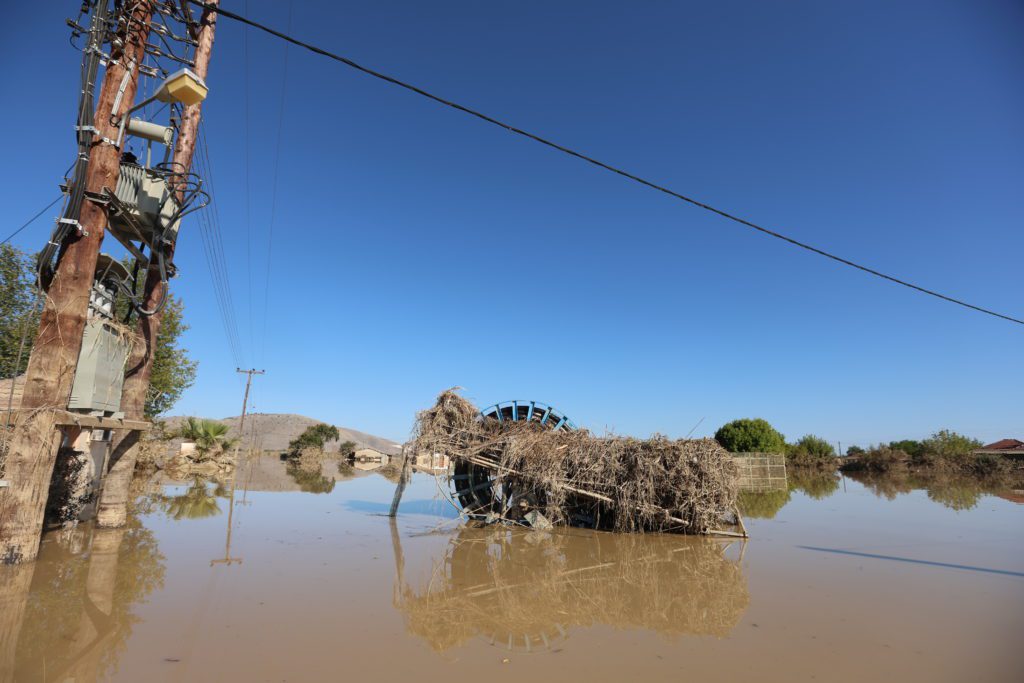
<point>811,451</point>
<point>881,458</point>
<point>314,437</point>
<point>750,435</point>
<point>911,447</point>
<point>948,444</point>
<point>945,452</point>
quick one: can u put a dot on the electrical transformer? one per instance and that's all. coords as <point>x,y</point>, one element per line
<point>99,377</point>
<point>149,206</point>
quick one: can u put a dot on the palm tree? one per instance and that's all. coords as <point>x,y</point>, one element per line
<point>210,436</point>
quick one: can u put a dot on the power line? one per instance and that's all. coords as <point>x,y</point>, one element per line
<point>32,220</point>
<point>273,193</point>
<point>206,231</point>
<point>248,202</point>
<point>600,164</point>
<point>213,247</point>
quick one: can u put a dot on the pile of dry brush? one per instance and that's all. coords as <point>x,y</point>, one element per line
<point>656,484</point>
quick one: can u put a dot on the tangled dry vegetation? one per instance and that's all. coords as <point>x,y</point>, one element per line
<point>632,485</point>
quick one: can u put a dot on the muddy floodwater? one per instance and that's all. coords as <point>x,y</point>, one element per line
<point>300,577</point>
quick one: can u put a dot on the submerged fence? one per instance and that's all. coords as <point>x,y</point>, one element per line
<point>761,471</point>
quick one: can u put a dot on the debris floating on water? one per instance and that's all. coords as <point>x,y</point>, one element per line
<point>576,478</point>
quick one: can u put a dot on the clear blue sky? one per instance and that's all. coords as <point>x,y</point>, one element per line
<point>416,248</point>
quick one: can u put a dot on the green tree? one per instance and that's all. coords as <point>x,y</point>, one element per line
<point>948,444</point>
<point>750,435</point>
<point>314,437</point>
<point>18,312</point>
<point>173,370</point>
<point>814,446</point>
<point>908,446</point>
<point>810,451</point>
<point>347,449</point>
<point>855,450</point>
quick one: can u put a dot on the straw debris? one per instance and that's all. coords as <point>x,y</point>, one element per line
<point>611,482</point>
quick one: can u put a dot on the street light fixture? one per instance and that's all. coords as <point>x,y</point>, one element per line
<point>183,87</point>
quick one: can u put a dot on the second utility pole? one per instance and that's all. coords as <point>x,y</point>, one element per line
<point>113,504</point>
<point>245,401</point>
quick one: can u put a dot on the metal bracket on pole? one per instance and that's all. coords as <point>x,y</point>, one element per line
<point>97,197</point>
<point>82,232</point>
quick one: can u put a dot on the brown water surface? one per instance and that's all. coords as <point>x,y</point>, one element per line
<point>841,581</point>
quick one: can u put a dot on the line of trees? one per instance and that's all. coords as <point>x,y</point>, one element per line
<point>756,435</point>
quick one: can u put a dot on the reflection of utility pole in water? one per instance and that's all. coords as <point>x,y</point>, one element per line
<point>396,547</point>
<point>248,480</point>
<point>15,582</point>
<point>79,656</point>
<point>227,559</point>
<point>97,624</point>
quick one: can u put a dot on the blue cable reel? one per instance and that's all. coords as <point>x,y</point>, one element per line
<point>476,487</point>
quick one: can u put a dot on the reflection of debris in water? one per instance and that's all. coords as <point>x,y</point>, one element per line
<point>524,590</point>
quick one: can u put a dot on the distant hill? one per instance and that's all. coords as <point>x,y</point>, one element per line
<point>275,430</point>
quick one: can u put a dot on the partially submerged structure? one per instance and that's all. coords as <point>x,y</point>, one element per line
<point>370,455</point>
<point>1007,447</point>
<point>524,462</point>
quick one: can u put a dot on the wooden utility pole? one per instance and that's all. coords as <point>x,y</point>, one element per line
<point>245,401</point>
<point>34,444</point>
<point>113,506</point>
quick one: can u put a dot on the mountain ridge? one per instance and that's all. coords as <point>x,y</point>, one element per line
<point>273,431</point>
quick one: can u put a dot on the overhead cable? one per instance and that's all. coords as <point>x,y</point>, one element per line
<point>32,220</point>
<point>273,191</point>
<point>600,164</point>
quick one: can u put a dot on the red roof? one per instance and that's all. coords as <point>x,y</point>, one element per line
<point>1005,445</point>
